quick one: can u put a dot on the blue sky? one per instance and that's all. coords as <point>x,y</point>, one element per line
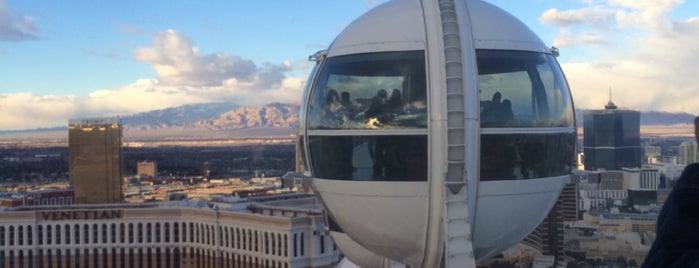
<point>80,58</point>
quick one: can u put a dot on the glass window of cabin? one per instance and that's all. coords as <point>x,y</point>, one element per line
<point>522,89</point>
<point>368,91</point>
<point>367,158</point>
<point>526,156</point>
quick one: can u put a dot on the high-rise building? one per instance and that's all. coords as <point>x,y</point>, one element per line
<point>612,138</point>
<point>147,168</point>
<point>548,236</point>
<point>641,178</point>
<point>688,153</point>
<point>95,167</point>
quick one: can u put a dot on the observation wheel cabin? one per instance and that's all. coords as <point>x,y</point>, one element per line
<point>417,102</point>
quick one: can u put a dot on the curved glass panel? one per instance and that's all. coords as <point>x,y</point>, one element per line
<point>306,91</point>
<point>526,156</point>
<point>522,89</point>
<point>369,158</point>
<point>369,91</point>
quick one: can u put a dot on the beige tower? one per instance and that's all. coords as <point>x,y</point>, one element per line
<point>96,160</point>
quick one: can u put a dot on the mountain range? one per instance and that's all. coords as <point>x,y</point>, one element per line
<point>216,116</point>
<point>227,119</point>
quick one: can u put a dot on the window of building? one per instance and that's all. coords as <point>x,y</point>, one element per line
<point>139,232</point>
<point>57,230</point>
<point>237,238</point>
<point>175,232</point>
<point>295,246</point>
<point>30,235</point>
<point>157,232</point>
<point>95,233</point>
<point>131,233</point>
<point>112,232</point>
<point>86,233</point>
<point>11,235</point>
<point>167,232</point>
<point>49,235</point>
<point>191,232</point>
<point>149,233</point>
<point>67,233</point>
<point>76,232</point>
<point>68,257</point>
<point>322,244</point>
<point>40,234</point>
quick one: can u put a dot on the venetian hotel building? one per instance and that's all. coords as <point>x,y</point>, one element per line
<point>272,231</point>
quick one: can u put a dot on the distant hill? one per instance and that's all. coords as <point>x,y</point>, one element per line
<point>182,116</point>
<point>275,115</point>
<point>230,121</point>
<point>666,118</point>
<point>193,121</point>
<point>654,118</point>
<point>216,116</point>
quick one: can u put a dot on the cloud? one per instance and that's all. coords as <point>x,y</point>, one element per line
<point>648,59</point>
<point>130,29</point>
<point>176,61</point>
<point>184,75</point>
<point>15,27</point>
<point>594,16</point>
<point>27,110</point>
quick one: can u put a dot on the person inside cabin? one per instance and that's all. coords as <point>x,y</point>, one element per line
<point>335,107</point>
<point>395,102</point>
<point>346,101</point>
<point>491,109</point>
<point>497,110</point>
<point>506,113</point>
<point>377,107</point>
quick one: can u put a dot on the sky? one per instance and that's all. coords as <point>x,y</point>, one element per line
<point>84,58</point>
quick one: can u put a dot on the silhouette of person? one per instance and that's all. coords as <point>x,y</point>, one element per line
<point>506,113</point>
<point>336,109</point>
<point>395,102</point>
<point>377,106</point>
<point>677,229</point>
<point>347,102</point>
<point>492,108</point>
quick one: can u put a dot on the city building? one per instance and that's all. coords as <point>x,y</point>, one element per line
<point>621,238</point>
<point>38,198</point>
<point>147,168</point>
<point>547,238</point>
<point>652,154</point>
<point>96,159</point>
<point>611,138</point>
<point>272,231</point>
<point>688,153</point>
<point>600,190</point>
<point>641,178</point>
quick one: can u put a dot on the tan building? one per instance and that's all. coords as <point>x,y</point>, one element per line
<point>147,168</point>
<point>95,167</point>
<point>282,231</point>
